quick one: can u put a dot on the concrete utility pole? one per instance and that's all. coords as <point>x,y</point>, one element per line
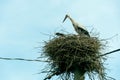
<point>78,74</point>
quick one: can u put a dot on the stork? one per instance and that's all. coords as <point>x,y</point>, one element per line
<point>81,30</point>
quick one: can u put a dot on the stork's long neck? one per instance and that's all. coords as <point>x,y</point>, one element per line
<point>73,22</point>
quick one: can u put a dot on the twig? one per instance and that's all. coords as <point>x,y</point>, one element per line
<point>110,52</point>
<point>48,77</point>
<point>23,59</point>
<point>110,37</point>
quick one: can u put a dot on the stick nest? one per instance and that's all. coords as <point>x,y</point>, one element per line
<point>67,52</point>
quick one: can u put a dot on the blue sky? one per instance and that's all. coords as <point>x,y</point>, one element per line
<point>24,23</point>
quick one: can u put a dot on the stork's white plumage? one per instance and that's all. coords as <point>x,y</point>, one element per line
<point>80,29</point>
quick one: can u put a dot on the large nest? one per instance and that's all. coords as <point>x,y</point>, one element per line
<point>67,52</point>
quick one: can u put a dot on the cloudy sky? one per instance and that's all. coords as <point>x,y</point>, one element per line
<point>25,24</point>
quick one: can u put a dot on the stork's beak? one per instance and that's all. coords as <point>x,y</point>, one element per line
<point>65,17</point>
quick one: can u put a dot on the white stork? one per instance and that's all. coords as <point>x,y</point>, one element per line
<point>78,28</point>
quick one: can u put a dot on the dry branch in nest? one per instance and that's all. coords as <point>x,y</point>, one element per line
<point>67,52</point>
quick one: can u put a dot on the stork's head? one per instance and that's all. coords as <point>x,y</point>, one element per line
<point>65,17</point>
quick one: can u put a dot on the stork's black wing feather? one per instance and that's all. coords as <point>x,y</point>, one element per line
<point>87,33</point>
<point>84,31</point>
